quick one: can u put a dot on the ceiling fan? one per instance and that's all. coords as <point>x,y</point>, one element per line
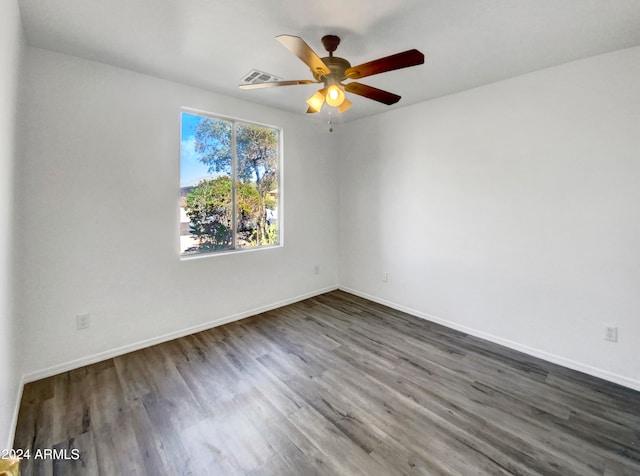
<point>332,70</point>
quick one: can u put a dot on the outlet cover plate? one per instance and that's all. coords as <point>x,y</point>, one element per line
<point>83,321</point>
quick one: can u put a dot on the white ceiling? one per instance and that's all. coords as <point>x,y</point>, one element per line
<point>213,44</point>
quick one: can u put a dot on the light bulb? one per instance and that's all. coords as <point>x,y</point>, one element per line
<point>335,96</point>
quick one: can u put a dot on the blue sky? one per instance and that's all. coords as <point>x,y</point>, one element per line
<point>192,170</point>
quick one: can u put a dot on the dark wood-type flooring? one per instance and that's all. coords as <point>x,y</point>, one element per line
<point>330,385</point>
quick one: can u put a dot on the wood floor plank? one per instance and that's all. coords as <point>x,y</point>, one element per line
<point>237,438</point>
<point>276,465</point>
<point>206,451</point>
<point>333,385</point>
<point>348,456</point>
<point>289,442</point>
<point>406,415</point>
<point>85,464</point>
<point>110,461</point>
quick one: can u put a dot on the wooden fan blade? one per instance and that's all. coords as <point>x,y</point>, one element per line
<point>370,92</point>
<point>388,63</point>
<point>274,84</point>
<point>298,47</point>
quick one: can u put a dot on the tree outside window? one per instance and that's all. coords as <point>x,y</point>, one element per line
<point>229,184</point>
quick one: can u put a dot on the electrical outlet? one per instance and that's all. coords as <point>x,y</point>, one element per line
<point>611,334</point>
<point>385,277</point>
<point>83,321</point>
<point>316,269</point>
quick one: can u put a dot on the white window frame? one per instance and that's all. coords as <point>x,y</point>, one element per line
<point>234,162</point>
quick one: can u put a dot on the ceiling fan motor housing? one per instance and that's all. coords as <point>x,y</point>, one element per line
<point>337,66</point>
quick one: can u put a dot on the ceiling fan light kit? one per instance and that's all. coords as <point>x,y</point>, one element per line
<point>316,101</point>
<point>332,71</point>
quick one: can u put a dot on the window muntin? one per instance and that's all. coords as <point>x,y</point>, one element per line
<point>229,184</point>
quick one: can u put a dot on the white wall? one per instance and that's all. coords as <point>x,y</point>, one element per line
<point>11,44</point>
<point>98,200</point>
<point>510,211</point>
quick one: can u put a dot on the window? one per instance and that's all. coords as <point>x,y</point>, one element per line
<point>229,185</point>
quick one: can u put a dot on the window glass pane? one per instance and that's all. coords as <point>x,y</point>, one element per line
<point>216,213</point>
<point>258,159</point>
<point>205,185</point>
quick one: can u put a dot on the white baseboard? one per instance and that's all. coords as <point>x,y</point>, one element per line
<point>92,359</point>
<point>553,358</point>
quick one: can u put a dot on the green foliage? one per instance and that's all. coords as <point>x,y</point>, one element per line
<point>213,144</point>
<point>249,207</point>
<point>270,202</point>
<point>258,156</point>
<point>270,237</point>
<point>271,233</point>
<point>257,149</point>
<point>209,208</point>
<point>257,173</point>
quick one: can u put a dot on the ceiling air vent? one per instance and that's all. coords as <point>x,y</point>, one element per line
<point>255,76</point>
